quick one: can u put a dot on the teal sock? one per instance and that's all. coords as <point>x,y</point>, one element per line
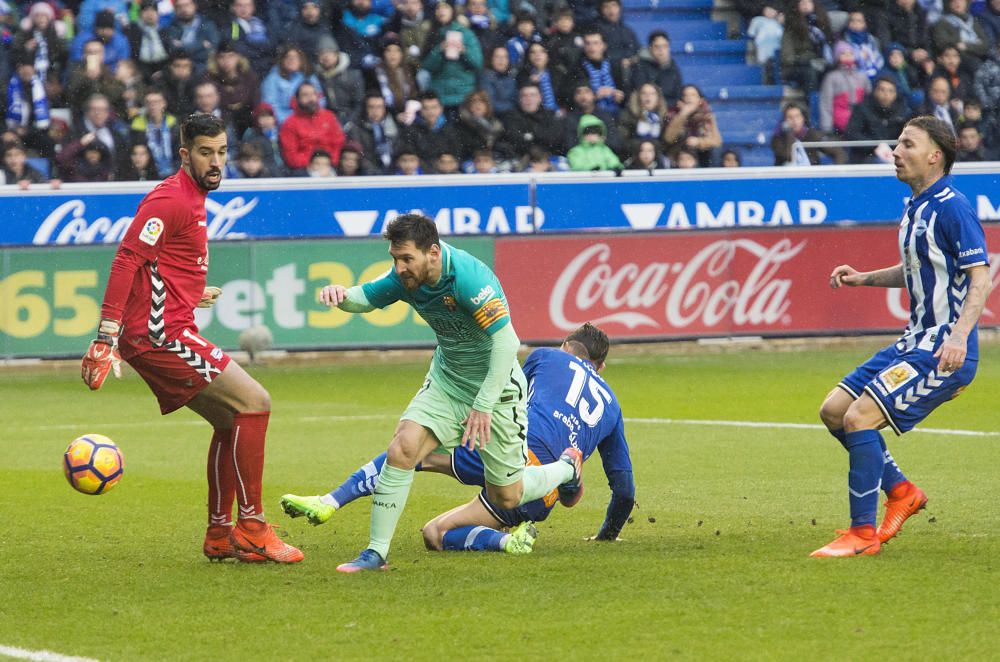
<point>539,481</point>
<point>388,501</point>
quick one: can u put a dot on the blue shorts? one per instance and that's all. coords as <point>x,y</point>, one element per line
<point>906,385</point>
<point>468,469</point>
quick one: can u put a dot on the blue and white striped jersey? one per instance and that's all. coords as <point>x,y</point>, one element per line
<point>939,237</point>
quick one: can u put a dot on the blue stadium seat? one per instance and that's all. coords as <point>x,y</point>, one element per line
<point>757,156</point>
<point>723,75</point>
<point>709,51</point>
<point>743,138</point>
<point>669,8</point>
<point>679,31</point>
<point>738,120</point>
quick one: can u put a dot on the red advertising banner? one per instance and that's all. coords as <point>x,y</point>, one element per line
<point>650,285</point>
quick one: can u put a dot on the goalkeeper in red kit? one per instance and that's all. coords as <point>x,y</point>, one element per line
<point>157,279</point>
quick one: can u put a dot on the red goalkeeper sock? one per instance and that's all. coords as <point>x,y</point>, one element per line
<point>221,481</point>
<point>249,431</point>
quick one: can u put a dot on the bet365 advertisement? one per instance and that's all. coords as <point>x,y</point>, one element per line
<point>50,300</point>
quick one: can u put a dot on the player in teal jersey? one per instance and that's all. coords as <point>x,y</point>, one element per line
<point>474,393</point>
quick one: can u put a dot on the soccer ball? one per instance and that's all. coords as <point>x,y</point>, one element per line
<point>93,464</point>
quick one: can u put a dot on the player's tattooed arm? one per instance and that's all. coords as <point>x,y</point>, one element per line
<point>847,275</point>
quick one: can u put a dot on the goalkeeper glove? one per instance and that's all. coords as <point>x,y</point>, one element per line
<point>102,355</point>
<point>209,297</point>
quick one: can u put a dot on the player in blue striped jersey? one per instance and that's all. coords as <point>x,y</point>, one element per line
<point>944,266</point>
<point>569,404</point>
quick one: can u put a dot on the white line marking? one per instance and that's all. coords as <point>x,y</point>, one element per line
<point>42,656</point>
<point>794,426</point>
<point>772,425</point>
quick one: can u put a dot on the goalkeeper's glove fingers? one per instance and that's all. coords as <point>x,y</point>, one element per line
<point>102,355</point>
<point>101,358</point>
<point>209,297</point>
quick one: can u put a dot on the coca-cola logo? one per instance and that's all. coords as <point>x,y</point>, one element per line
<point>704,290</point>
<point>68,223</point>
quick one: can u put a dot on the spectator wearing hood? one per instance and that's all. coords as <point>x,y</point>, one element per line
<point>308,129</point>
<point>454,58</point>
<point>867,51</point>
<point>308,30</point>
<point>352,163</point>
<point>86,161</point>
<point>590,153</point>
<point>906,76</point>
<point>377,134</point>
<point>284,79</point>
<point>794,128</point>
<point>105,31</point>
<point>343,86</point>
<point>585,103</point>
<point>192,32</point>
<point>264,133</point>
<point>842,89</point>
<point>880,116</point>
<point>251,37</point>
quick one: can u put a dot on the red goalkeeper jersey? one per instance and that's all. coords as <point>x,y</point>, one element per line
<point>158,274</point>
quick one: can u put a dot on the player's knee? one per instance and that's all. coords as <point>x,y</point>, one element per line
<point>831,415</point>
<point>262,399</point>
<point>433,536</point>
<point>403,453</point>
<point>858,418</point>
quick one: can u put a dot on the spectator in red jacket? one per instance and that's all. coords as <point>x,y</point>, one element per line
<point>309,128</point>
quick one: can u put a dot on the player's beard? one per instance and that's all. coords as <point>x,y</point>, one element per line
<point>207,182</point>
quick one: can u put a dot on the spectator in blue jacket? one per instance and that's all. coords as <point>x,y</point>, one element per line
<point>106,31</point>
<point>89,9</point>
<point>278,89</point>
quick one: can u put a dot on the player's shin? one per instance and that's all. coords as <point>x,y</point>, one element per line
<point>892,475</point>
<point>388,501</point>
<point>249,432</point>
<point>221,482</point>
<point>539,481</point>
<point>474,539</point>
<point>865,477</point>
<point>361,483</point>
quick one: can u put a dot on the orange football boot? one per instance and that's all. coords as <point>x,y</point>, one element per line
<point>855,541</point>
<point>217,547</point>
<point>899,507</point>
<point>260,538</point>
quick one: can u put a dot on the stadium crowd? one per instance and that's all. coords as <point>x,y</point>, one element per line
<point>96,88</point>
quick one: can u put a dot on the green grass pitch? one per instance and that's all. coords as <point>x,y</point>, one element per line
<point>714,566</point>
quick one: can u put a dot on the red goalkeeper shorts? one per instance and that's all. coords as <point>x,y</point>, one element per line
<point>180,369</point>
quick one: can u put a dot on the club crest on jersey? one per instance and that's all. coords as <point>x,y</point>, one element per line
<point>151,231</point>
<point>895,376</point>
<point>450,303</point>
